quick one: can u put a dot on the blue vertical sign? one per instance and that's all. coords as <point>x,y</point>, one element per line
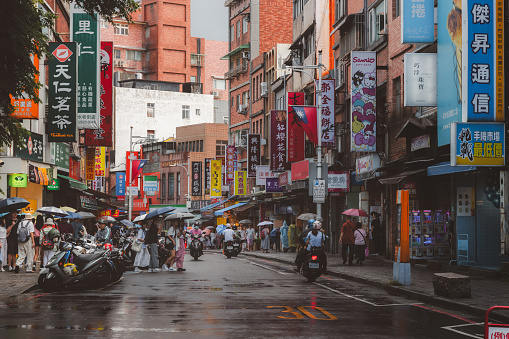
<point>418,22</point>
<point>120,184</point>
<point>479,46</point>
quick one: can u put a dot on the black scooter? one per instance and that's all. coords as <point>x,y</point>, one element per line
<point>229,250</point>
<point>237,246</point>
<point>196,248</point>
<point>313,265</point>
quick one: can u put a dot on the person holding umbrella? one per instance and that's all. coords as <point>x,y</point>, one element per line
<point>3,244</point>
<point>11,222</point>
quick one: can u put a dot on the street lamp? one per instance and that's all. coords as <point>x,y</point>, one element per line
<point>318,118</point>
<point>131,158</point>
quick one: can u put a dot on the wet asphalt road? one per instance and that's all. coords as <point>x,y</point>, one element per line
<point>219,298</point>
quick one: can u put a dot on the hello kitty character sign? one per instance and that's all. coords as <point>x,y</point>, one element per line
<point>363,123</point>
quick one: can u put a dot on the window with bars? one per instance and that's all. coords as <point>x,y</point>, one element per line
<point>221,147</point>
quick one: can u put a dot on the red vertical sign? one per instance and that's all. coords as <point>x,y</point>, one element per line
<point>296,140</point>
<point>103,135</point>
<point>277,140</point>
<point>127,166</point>
<point>231,164</point>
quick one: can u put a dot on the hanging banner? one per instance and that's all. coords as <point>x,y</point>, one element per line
<point>103,135</point>
<point>240,183</point>
<point>418,21</point>
<point>420,79</point>
<point>59,154</point>
<point>262,173</point>
<point>32,148</point>
<point>18,180</point>
<point>90,163</point>
<point>120,184</point>
<point>207,175</point>
<point>196,190</point>
<point>85,31</point>
<point>135,155</point>
<point>62,92</point>
<point>277,140</point>
<point>253,154</point>
<point>306,117</point>
<point>137,168</point>
<point>100,161</point>
<point>74,169</point>
<point>38,175</point>
<point>328,131</point>
<point>363,122</point>
<point>296,140</point>
<point>483,85</point>
<point>24,108</point>
<point>231,164</point>
<point>223,169</point>
<point>216,183</point>
<point>477,144</point>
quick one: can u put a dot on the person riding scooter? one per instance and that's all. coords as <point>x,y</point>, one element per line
<point>302,244</point>
<point>316,239</point>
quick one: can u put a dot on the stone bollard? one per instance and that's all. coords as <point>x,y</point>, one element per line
<point>452,285</point>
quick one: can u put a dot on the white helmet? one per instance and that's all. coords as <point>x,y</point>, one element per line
<point>228,226</point>
<point>317,225</point>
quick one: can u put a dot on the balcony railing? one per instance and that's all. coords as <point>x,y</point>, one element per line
<point>353,38</point>
<point>235,72</point>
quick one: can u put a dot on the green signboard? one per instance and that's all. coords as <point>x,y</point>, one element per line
<point>60,154</point>
<point>18,180</point>
<point>55,185</point>
<point>85,31</point>
<point>32,148</point>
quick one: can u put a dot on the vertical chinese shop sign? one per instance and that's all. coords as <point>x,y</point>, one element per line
<point>103,135</point>
<point>85,31</point>
<point>100,161</point>
<point>327,112</point>
<point>296,137</point>
<point>277,140</point>
<point>62,92</point>
<point>90,163</point>
<point>207,175</point>
<point>196,179</point>
<point>216,181</point>
<point>231,164</point>
<point>253,154</point>
<point>240,182</point>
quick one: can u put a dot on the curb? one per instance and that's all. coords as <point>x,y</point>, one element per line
<point>401,291</point>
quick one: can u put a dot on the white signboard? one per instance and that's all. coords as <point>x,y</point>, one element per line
<point>420,79</point>
<point>263,172</point>
<point>319,191</point>
<point>134,191</point>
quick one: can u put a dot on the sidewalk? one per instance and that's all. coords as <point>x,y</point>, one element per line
<point>13,284</point>
<point>377,271</point>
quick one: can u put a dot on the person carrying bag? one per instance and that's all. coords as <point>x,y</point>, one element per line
<point>361,249</point>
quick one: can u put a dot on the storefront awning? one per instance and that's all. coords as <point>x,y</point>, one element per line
<point>215,204</point>
<point>238,49</point>
<point>446,168</point>
<point>220,212</point>
<point>399,177</point>
<point>246,207</point>
<point>74,183</point>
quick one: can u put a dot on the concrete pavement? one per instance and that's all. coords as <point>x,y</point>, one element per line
<point>377,271</point>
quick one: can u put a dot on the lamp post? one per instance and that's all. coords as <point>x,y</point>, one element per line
<point>318,90</point>
<point>188,177</point>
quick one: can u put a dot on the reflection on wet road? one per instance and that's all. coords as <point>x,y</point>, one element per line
<point>219,297</point>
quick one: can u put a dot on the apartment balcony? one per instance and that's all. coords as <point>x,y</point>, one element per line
<point>235,72</point>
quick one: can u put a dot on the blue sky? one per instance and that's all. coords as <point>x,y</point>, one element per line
<point>209,19</point>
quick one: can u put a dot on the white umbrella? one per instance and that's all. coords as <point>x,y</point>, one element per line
<point>86,215</point>
<point>53,211</point>
<point>107,218</point>
<point>266,223</point>
<point>245,221</point>
<point>140,218</point>
<point>179,215</point>
<point>306,216</point>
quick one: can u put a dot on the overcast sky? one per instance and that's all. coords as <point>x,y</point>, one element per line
<point>209,19</point>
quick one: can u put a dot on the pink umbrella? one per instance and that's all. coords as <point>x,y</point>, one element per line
<point>355,212</point>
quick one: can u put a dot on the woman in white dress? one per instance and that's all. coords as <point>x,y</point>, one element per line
<point>143,256</point>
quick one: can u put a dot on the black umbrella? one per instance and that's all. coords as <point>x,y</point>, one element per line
<point>11,204</point>
<point>159,211</point>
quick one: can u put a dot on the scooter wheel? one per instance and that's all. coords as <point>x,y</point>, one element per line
<point>229,256</point>
<point>196,258</point>
<point>48,285</point>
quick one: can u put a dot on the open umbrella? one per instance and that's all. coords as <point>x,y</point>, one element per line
<point>11,204</point>
<point>266,223</point>
<point>306,216</point>
<point>140,218</point>
<point>159,211</point>
<point>67,209</point>
<point>53,211</point>
<point>107,218</point>
<point>86,215</point>
<point>220,229</point>
<point>179,215</point>
<point>209,227</point>
<point>127,223</point>
<point>73,215</point>
<point>355,212</point>
<point>245,221</point>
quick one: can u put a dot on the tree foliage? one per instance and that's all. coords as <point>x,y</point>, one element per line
<point>21,26</point>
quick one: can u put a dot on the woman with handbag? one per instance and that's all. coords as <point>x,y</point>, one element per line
<point>360,243</point>
<point>142,256</point>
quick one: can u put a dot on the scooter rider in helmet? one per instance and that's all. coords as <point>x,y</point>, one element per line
<point>103,234</point>
<point>302,244</point>
<point>228,234</point>
<point>316,238</point>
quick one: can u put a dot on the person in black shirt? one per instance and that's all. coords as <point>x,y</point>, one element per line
<point>151,242</point>
<point>11,223</point>
<point>376,232</point>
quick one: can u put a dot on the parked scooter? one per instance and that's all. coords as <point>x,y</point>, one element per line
<point>313,265</point>
<point>196,248</point>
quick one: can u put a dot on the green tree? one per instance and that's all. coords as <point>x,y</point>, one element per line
<point>21,27</point>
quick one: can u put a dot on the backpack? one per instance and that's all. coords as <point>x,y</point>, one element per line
<point>47,244</point>
<point>23,234</point>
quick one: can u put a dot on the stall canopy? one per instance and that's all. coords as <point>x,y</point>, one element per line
<point>220,212</point>
<point>446,168</point>
<point>74,183</point>
<point>215,204</point>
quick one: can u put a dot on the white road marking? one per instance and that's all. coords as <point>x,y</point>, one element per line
<point>267,268</point>
<point>453,329</point>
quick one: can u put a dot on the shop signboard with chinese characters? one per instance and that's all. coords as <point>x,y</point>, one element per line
<point>85,31</point>
<point>296,140</point>
<point>196,184</point>
<point>420,79</point>
<point>32,148</point>
<point>277,140</point>
<point>120,184</point>
<point>338,181</point>
<point>103,135</point>
<point>411,187</point>
<point>477,144</point>
<point>74,169</point>
<point>55,185</point>
<point>231,164</point>
<point>285,178</point>
<point>207,175</point>
<point>262,173</point>
<point>363,123</point>
<point>88,203</point>
<point>62,92</point>
<point>59,154</point>
<point>216,183</point>
<point>253,154</point>
<point>100,161</point>
<point>272,185</point>
<point>150,184</point>
<point>424,141</point>
<point>418,21</point>
<point>18,180</point>
<point>328,131</point>
<point>240,182</point>
<point>483,43</point>
<point>300,170</point>
<point>319,191</point>
<point>39,175</point>
<point>25,108</point>
<point>90,163</point>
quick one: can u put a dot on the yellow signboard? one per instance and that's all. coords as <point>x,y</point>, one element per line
<point>90,163</point>
<point>100,161</point>
<point>221,221</point>
<point>240,182</point>
<point>216,179</point>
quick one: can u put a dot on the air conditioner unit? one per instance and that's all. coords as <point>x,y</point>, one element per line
<point>245,55</point>
<point>215,94</point>
<point>264,89</point>
<point>296,61</point>
<point>138,75</point>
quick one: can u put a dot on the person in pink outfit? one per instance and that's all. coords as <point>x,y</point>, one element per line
<point>181,249</point>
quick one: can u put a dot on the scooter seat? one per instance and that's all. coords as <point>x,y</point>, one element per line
<point>86,258</point>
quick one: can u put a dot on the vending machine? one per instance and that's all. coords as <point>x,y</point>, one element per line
<point>416,247</point>
<point>427,233</point>
<point>440,220</point>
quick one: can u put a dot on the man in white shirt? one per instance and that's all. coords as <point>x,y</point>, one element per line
<point>26,231</point>
<point>250,234</point>
<point>228,233</point>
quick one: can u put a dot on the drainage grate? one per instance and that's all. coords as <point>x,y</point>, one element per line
<point>18,315</point>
